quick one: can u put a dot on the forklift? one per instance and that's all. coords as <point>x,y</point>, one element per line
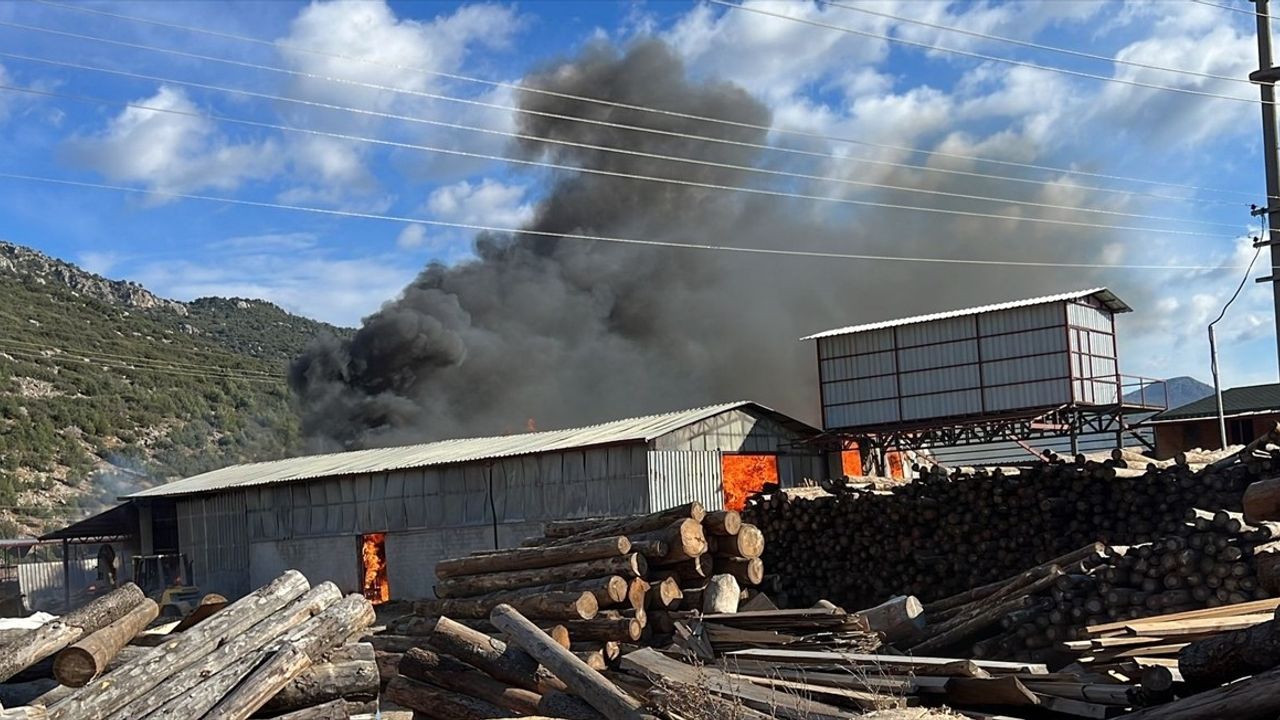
<point>165,578</point>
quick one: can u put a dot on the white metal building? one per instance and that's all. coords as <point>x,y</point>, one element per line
<point>243,525</point>
<point>1039,353</point>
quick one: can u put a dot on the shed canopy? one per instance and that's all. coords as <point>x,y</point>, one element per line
<point>445,452</point>
<point>1236,402</point>
<point>1102,295</point>
<point>119,521</point>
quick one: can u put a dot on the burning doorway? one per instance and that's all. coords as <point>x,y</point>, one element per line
<point>373,568</point>
<point>744,474</point>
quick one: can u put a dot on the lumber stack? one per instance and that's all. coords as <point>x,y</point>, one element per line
<point>283,649</point>
<point>606,580</point>
<point>952,530</point>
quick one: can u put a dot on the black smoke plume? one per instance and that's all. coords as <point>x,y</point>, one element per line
<point>571,332</point>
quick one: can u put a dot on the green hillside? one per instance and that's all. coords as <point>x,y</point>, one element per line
<point>105,388</point>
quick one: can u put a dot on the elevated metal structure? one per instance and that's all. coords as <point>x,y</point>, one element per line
<point>1021,371</point>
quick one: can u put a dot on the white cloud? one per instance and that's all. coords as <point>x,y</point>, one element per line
<point>98,262</point>
<point>172,152</point>
<point>311,283</point>
<point>268,241</point>
<point>412,237</point>
<point>487,202</point>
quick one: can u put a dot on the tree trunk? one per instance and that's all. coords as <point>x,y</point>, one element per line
<point>537,603</point>
<point>451,674</point>
<point>684,540</point>
<point>586,683</point>
<point>748,571</point>
<point>696,570</point>
<point>606,629</point>
<point>350,680</point>
<point>1229,655</point>
<point>636,593</point>
<point>332,710</point>
<point>748,543</point>
<point>439,704</point>
<point>723,522</point>
<point>89,657</point>
<point>558,531</point>
<point>282,666</point>
<point>1262,501</point>
<point>568,707</point>
<point>899,618</point>
<point>262,669</point>
<point>722,595</point>
<point>104,696</point>
<point>531,558</point>
<point>665,594</point>
<point>195,686</point>
<point>1255,698</point>
<point>37,644</point>
<point>506,663</point>
<point>628,566</point>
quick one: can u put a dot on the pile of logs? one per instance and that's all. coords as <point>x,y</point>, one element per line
<point>607,580</point>
<point>947,532</point>
<point>283,649</point>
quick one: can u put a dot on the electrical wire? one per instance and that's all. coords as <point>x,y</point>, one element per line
<point>143,360</point>
<point>989,58</point>
<point>1255,13</point>
<point>117,366</point>
<point>652,178</point>
<point>1038,46</point>
<point>568,118</point>
<point>517,87</point>
<point>593,238</point>
<point>1257,251</point>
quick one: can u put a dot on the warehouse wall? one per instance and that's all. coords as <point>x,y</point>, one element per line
<point>329,558</point>
<point>212,533</point>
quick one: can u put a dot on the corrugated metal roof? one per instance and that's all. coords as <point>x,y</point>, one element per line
<point>445,452</point>
<point>1248,400</point>
<point>1103,295</point>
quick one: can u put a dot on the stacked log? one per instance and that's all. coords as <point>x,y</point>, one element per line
<point>949,531</point>
<point>603,579</point>
<point>284,648</point>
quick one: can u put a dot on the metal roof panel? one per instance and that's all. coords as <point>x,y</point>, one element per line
<point>1103,295</point>
<point>444,452</point>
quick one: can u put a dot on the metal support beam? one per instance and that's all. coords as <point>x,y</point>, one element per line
<point>1270,151</point>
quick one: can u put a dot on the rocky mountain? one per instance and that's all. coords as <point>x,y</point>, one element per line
<point>106,387</point>
<point>1177,391</point>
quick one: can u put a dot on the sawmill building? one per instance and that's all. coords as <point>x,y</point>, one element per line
<point>378,520</point>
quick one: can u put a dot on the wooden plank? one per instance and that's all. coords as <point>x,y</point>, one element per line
<point>867,700</point>
<point>994,666</point>
<point>654,665</point>
<point>1196,627</point>
<point>1245,608</point>
<point>1007,690</point>
<point>1077,708</point>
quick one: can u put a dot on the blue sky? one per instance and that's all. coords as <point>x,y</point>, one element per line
<point>813,79</point>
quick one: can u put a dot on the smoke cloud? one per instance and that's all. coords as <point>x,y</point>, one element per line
<point>571,332</point>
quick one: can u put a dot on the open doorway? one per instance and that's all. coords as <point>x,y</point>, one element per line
<point>742,474</point>
<point>373,568</point>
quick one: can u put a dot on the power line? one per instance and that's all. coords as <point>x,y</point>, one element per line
<point>1037,46</point>
<point>1227,7</point>
<point>143,360</point>
<point>625,151</point>
<point>517,87</point>
<point>983,56</point>
<point>117,366</point>
<point>598,238</point>
<point>649,178</point>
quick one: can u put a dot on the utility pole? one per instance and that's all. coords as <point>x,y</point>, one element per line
<point>1267,76</point>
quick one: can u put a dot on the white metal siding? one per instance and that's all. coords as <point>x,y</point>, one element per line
<point>1019,319</point>
<point>680,476</point>
<point>936,331</point>
<point>1048,340</point>
<point>940,380</point>
<point>964,402</point>
<point>336,559</point>
<point>933,356</point>
<point>1028,395</point>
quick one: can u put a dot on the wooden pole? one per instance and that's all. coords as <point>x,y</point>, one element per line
<point>586,683</point>
<point>628,566</point>
<point>88,658</point>
<point>279,670</point>
<point>452,674</point>
<point>439,704</point>
<point>569,605</point>
<point>532,558</point>
<point>509,664</point>
<point>104,696</point>
<point>35,645</point>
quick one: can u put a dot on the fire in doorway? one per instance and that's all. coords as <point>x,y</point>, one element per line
<point>745,474</point>
<point>373,565</point>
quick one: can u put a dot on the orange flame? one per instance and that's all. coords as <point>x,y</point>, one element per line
<point>743,475</point>
<point>373,556</point>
